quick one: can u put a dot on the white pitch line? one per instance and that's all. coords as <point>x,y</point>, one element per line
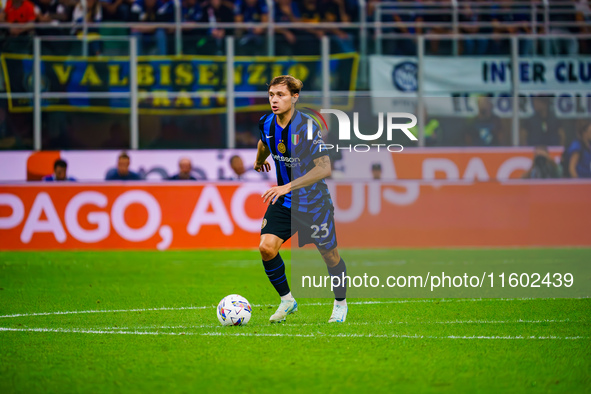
<point>78,331</point>
<point>479,322</point>
<point>316,335</point>
<point>272,305</point>
<point>354,324</point>
<point>106,311</point>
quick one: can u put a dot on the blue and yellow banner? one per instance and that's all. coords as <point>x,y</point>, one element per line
<point>171,79</point>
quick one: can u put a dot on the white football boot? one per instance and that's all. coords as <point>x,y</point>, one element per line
<point>286,307</point>
<point>339,314</point>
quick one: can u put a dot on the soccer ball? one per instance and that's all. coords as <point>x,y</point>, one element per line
<point>234,310</point>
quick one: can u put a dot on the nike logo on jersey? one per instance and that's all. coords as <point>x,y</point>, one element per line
<point>269,136</point>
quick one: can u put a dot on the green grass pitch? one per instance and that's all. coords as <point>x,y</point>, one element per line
<point>149,325</point>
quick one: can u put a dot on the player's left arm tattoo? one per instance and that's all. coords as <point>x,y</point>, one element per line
<point>323,162</point>
<point>321,170</point>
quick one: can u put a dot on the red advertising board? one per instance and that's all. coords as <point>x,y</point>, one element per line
<point>228,215</point>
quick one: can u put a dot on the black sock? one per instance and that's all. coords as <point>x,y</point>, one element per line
<point>340,270</point>
<point>275,270</point>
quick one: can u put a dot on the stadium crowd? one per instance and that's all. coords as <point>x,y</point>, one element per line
<point>121,172</point>
<point>412,17</point>
<point>157,40</point>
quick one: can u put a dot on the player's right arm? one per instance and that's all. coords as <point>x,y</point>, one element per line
<point>261,163</point>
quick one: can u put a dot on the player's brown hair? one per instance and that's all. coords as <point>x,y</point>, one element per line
<point>293,84</point>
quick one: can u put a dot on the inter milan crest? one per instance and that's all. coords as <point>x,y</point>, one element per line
<point>281,147</point>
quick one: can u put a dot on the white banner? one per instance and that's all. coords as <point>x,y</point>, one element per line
<point>150,165</point>
<point>463,78</point>
<point>467,164</point>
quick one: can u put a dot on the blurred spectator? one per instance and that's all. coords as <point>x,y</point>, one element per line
<point>470,21</point>
<point>69,6</point>
<point>409,15</point>
<point>94,14</point>
<point>286,11</point>
<point>122,173</point>
<point>372,6</point>
<point>54,12</point>
<point>520,17</point>
<point>352,9</point>
<point>583,19</point>
<point>242,173</point>
<point>152,11</point>
<point>116,10</point>
<point>442,19</point>
<point>184,173</point>
<point>19,11</point>
<point>50,11</point>
<point>214,12</point>
<point>371,10</point>
<point>497,17</point>
<point>376,171</point>
<point>542,128</point>
<point>543,166</point>
<point>237,166</point>
<point>310,37</point>
<point>508,18</point>
<point>583,9</point>
<point>485,128</point>
<point>251,11</point>
<point>578,155</point>
<point>191,11</point>
<point>563,14</point>
<point>60,168</point>
<point>336,11</point>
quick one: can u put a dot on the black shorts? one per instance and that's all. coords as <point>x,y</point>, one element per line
<point>317,228</point>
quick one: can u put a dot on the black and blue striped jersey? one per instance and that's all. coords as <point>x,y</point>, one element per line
<point>294,156</point>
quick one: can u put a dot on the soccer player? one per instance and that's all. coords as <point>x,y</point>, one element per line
<point>301,197</point>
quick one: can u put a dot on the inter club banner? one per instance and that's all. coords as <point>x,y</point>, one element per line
<point>163,75</point>
<point>463,78</point>
<point>190,215</point>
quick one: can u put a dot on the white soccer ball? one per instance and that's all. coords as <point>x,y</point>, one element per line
<point>234,310</point>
